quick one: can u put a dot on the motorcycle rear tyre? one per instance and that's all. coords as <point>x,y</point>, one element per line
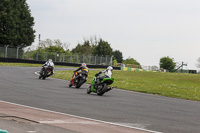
<point>78,85</point>
<point>103,90</point>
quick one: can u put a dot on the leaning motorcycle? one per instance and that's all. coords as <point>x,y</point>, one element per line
<point>79,80</point>
<point>45,72</point>
<point>101,88</point>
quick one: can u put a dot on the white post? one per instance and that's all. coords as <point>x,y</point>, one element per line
<point>106,60</point>
<point>27,52</point>
<point>95,59</point>
<point>17,52</point>
<point>111,60</point>
<point>6,50</point>
<point>63,57</point>
<point>101,59</point>
<point>55,56</point>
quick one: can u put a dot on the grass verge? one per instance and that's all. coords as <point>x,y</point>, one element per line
<point>177,85</point>
<point>27,65</point>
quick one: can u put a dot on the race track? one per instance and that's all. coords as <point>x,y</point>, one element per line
<point>169,115</point>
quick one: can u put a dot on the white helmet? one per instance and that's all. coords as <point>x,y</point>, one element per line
<point>50,60</point>
<point>110,68</point>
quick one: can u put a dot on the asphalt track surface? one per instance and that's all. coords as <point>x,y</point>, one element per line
<point>163,114</point>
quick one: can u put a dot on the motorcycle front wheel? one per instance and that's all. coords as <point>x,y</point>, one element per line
<point>70,84</point>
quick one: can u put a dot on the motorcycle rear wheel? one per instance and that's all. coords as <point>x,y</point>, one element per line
<point>101,91</point>
<point>78,85</point>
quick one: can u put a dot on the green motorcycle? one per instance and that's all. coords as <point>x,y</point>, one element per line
<point>101,88</point>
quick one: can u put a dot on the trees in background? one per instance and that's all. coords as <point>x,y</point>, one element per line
<point>94,47</point>
<point>103,48</point>
<point>16,24</point>
<point>91,47</point>
<point>53,48</point>
<point>86,48</point>
<point>131,61</point>
<point>167,63</point>
<point>48,42</point>
<point>118,56</point>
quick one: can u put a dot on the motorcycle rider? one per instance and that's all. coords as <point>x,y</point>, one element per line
<point>107,74</point>
<point>50,64</point>
<point>84,69</point>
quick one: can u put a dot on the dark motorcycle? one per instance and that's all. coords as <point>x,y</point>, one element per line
<point>45,72</point>
<point>101,88</point>
<point>78,80</point>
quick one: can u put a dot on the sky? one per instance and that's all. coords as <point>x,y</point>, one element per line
<point>145,30</point>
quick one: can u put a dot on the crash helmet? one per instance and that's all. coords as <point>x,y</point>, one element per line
<point>110,68</point>
<point>83,64</point>
<point>50,60</point>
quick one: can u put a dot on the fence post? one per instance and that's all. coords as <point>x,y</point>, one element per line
<point>106,60</point>
<point>90,60</point>
<point>71,58</point>
<point>77,59</point>
<point>37,56</point>
<point>6,49</point>
<point>17,52</point>
<point>55,55</point>
<point>95,59</point>
<point>101,59</point>
<point>63,57</point>
<point>46,55</point>
<point>27,53</point>
<point>111,60</point>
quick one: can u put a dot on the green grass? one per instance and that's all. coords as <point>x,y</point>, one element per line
<point>20,64</point>
<point>177,85</point>
<point>26,65</point>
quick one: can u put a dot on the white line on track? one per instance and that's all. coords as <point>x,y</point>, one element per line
<point>116,124</point>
